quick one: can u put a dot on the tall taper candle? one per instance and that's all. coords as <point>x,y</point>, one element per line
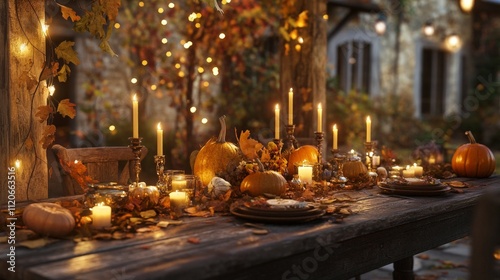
<point>368,129</point>
<point>277,121</point>
<point>135,117</point>
<point>290,107</point>
<point>320,118</point>
<point>335,137</point>
<point>159,140</point>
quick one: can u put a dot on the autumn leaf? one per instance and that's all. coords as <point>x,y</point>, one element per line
<point>62,75</point>
<point>193,240</point>
<point>68,12</point>
<point>110,7</point>
<point>49,72</point>
<point>249,147</point>
<point>44,112</point>
<point>302,19</point>
<point>78,171</point>
<point>65,51</point>
<point>66,108</point>
<point>48,136</point>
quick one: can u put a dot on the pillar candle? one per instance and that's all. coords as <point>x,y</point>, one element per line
<point>305,173</point>
<point>290,106</point>
<point>335,137</point>
<point>101,216</point>
<point>178,184</point>
<point>408,172</point>
<point>159,140</point>
<point>375,161</point>
<point>277,121</point>
<point>135,117</point>
<point>418,170</point>
<point>320,118</point>
<point>368,129</point>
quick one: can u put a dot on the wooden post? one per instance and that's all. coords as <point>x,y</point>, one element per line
<point>304,69</point>
<point>22,48</point>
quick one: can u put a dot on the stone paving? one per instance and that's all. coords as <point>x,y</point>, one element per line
<point>447,262</point>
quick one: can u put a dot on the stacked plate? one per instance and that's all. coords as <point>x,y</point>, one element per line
<point>281,215</point>
<point>414,187</point>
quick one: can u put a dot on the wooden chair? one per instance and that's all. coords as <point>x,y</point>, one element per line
<point>485,238</point>
<point>104,164</point>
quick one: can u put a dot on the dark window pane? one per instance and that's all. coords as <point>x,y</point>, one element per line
<point>366,68</point>
<point>342,53</point>
<point>426,88</point>
<point>440,78</point>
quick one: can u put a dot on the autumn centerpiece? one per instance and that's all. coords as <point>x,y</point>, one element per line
<point>215,156</point>
<point>473,159</point>
<point>306,153</point>
<point>262,181</point>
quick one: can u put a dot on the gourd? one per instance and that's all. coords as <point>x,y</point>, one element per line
<point>352,169</point>
<point>144,197</point>
<point>215,156</point>
<point>49,219</point>
<point>473,159</point>
<point>259,183</point>
<point>306,153</point>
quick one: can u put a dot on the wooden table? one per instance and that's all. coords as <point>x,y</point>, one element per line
<point>383,230</point>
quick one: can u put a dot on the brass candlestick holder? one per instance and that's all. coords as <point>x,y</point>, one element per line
<point>339,160</point>
<point>290,138</point>
<point>162,177</point>
<point>135,145</point>
<point>369,153</point>
<point>319,145</point>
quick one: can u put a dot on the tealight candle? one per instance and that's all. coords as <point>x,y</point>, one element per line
<point>418,170</point>
<point>305,173</point>
<point>101,216</point>
<point>408,172</point>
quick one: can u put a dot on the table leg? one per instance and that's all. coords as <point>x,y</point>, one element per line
<point>403,269</point>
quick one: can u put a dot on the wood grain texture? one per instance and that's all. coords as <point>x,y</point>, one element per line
<point>19,76</point>
<point>383,229</point>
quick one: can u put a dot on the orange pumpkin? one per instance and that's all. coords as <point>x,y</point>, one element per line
<point>214,156</point>
<point>259,183</point>
<point>49,219</point>
<point>473,159</point>
<point>352,169</point>
<point>307,153</point>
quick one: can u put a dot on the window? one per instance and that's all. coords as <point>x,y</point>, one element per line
<point>433,82</point>
<point>354,66</point>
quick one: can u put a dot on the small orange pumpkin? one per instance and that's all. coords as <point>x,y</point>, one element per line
<point>473,159</point>
<point>259,183</point>
<point>352,169</point>
<point>306,153</point>
<point>49,219</point>
<point>214,156</point>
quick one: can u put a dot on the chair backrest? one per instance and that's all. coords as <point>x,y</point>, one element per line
<point>485,238</point>
<point>104,164</point>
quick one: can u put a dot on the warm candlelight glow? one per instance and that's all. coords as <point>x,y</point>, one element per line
<point>368,129</point>
<point>17,163</point>
<point>159,142</point>
<point>135,117</point>
<point>418,170</point>
<point>101,216</point>
<point>335,137</point>
<point>290,107</point>
<point>408,172</point>
<point>305,173</point>
<point>277,121</point>
<point>320,118</point>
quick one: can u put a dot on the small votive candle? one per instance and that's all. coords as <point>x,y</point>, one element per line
<point>178,183</point>
<point>375,161</point>
<point>408,172</point>
<point>305,173</point>
<point>419,170</point>
<point>101,216</point>
<point>178,203</point>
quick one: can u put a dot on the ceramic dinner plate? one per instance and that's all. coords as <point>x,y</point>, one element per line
<point>413,191</point>
<point>283,216</point>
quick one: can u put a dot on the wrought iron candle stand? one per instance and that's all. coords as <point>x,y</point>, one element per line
<point>290,138</point>
<point>162,176</point>
<point>339,160</point>
<point>135,145</point>
<point>318,170</point>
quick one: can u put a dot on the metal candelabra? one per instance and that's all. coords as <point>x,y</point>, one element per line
<point>162,176</point>
<point>290,138</point>
<point>369,153</point>
<point>339,160</point>
<point>135,145</point>
<point>318,170</point>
